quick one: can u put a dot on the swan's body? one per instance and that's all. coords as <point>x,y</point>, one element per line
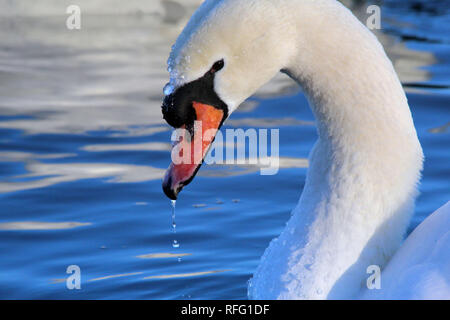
<point>361,184</point>
<point>420,269</point>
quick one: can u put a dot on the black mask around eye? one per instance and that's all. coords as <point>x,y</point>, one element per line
<point>177,107</point>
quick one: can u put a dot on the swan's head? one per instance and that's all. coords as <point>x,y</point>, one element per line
<point>225,53</point>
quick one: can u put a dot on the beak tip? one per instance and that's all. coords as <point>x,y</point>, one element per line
<point>171,193</point>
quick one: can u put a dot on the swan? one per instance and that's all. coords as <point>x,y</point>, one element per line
<point>364,168</point>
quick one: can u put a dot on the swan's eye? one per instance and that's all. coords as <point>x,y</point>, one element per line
<point>217,66</point>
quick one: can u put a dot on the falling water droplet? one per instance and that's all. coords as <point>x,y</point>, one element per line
<point>175,243</point>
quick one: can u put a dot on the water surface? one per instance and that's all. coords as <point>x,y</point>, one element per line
<point>83,148</point>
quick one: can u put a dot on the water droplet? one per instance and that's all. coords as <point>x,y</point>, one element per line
<point>175,243</point>
<point>168,89</point>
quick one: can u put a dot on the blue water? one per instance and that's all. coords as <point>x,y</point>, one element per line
<point>83,148</point>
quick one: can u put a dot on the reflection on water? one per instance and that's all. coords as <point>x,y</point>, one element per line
<point>151,146</point>
<point>83,148</point>
<point>185,275</point>
<point>115,276</point>
<point>162,255</point>
<point>35,225</point>
<point>267,122</point>
<point>441,129</point>
<point>46,174</point>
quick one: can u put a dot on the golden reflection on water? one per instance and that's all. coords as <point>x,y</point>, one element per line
<point>162,255</point>
<point>115,276</point>
<point>442,129</point>
<point>166,276</point>
<point>185,275</point>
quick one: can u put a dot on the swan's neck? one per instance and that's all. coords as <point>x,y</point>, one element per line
<point>360,187</point>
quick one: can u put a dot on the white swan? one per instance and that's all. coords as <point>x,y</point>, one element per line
<point>361,184</point>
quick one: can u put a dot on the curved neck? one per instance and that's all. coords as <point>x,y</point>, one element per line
<point>360,187</point>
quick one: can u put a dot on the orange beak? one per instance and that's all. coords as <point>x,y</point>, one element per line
<point>189,151</point>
